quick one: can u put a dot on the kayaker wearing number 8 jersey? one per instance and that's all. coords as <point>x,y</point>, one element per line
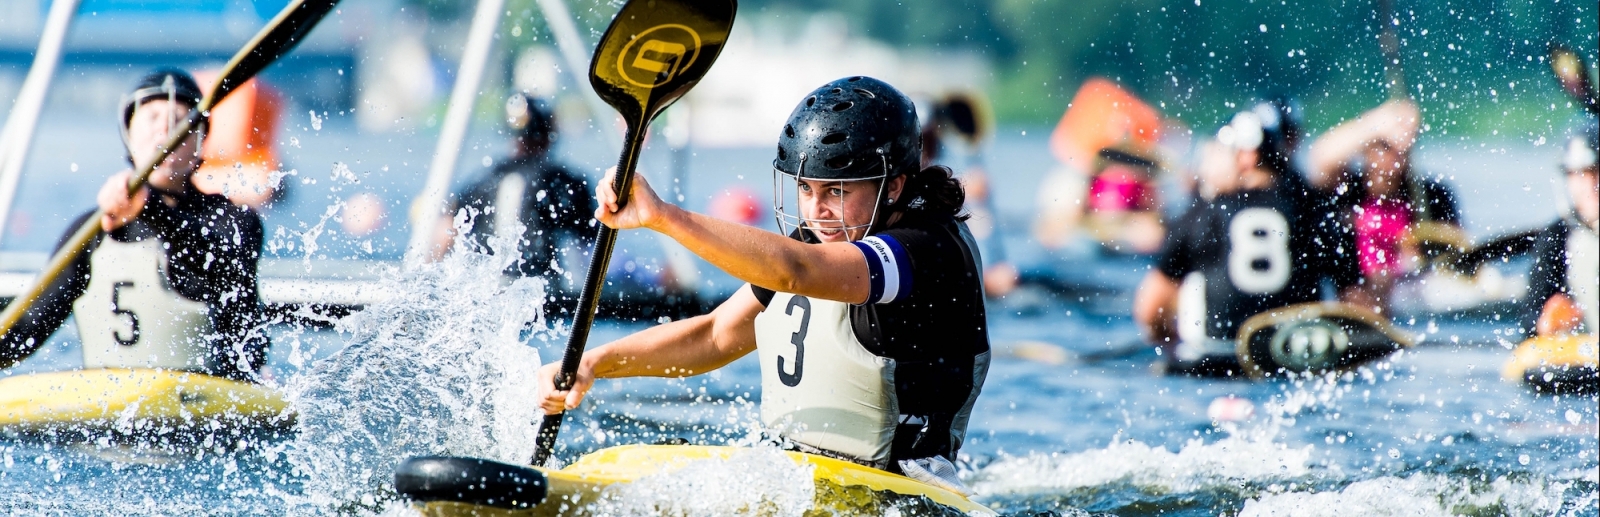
<point>171,283</point>
<point>867,318</point>
<point>1263,240</point>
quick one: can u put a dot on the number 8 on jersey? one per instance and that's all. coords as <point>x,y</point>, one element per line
<point>1258,251</point>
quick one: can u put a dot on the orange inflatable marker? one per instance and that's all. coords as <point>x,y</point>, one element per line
<point>1102,115</point>
<point>240,150</point>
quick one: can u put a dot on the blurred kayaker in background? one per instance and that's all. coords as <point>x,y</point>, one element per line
<point>1257,239</point>
<point>1401,218</point>
<point>533,190</point>
<point>171,283</point>
<point>1565,280</point>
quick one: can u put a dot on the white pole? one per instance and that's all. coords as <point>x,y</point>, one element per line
<point>18,134</point>
<point>430,204</point>
<point>576,52</point>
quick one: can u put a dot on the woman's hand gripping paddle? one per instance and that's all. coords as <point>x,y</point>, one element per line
<point>276,39</point>
<point>653,53</point>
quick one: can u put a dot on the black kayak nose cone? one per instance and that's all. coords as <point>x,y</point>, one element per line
<point>426,479</point>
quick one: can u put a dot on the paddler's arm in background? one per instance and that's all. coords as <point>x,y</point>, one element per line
<point>1155,303</point>
<point>51,309</point>
<point>678,349</point>
<point>1154,308</point>
<point>831,271</point>
<point>1330,155</point>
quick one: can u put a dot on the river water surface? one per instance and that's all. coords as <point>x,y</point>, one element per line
<point>443,369</point>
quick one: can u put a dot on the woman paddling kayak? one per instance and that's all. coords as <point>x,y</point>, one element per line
<point>867,318</point>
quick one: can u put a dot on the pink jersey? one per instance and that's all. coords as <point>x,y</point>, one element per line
<point>1117,189</point>
<point>1380,225</point>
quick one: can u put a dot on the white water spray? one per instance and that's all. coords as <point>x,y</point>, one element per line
<point>439,369</point>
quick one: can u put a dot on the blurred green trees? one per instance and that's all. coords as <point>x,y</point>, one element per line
<point>1475,65</point>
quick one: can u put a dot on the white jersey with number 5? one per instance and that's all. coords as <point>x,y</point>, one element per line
<point>130,316</point>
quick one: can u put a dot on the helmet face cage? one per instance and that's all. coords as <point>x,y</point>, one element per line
<point>133,101</point>
<point>789,222</point>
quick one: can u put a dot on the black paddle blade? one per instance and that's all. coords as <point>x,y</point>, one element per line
<point>476,481</point>
<point>1574,76</point>
<point>282,34</point>
<point>655,50</point>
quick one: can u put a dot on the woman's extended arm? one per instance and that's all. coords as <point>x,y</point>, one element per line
<point>678,349</point>
<point>830,271</point>
<point>1395,122</point>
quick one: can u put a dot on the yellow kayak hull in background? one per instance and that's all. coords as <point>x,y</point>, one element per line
<point>131,400</point>
<point>1556,363</point>
<point>841,487</point>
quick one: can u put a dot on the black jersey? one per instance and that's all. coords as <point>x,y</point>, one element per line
<point>1258,250</point>
<point>555,208</point>
<point>1437,200</point>
<point>212,248</point>
<point>926,313</point>
<point>1551,273</point>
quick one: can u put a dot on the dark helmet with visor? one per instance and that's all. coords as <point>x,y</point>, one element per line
<point>851,129</point>
<point>1271,128</point>
<point>530,118</point>
<point>171,84</point>
<point>1583,148</point>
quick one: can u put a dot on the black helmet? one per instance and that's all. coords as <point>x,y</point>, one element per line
<point>531,118</point>
<point>162,83</point>
<point>1283,137</point>
<point>1271,128</point>
<point>851,129</point>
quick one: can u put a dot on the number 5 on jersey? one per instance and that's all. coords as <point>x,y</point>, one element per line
<point>1258,251</point>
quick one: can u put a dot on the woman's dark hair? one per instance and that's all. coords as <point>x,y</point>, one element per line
<point>935,190</point>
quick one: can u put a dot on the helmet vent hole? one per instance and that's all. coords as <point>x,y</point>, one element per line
<point>811,101</point>
<point>837,90</point>
<point>788,130</point>
<point>843,106</point>
<point>856,78</point>
<point>866,94</point>
<point>838,162</point>
<point>834,138</point>
<point>782,155</point>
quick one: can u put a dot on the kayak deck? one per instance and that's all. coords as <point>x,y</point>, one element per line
<point>134,400</point>
<point>1558,364</point>
<point>842,487</point>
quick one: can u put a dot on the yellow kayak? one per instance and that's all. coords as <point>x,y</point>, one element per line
<point>131,400</point>
<point>841,487</point>
<point>1556,363</point>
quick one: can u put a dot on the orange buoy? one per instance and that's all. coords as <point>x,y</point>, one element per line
<point>239,152</point>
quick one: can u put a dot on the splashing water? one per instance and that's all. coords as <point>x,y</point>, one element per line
<point>759,481</point>
<point>1249,455</point>
<point>439,369</point>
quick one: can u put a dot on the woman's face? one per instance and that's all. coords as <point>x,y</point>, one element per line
<point>1385,168</point>
<point>149,129</point>
<point>842,211</point>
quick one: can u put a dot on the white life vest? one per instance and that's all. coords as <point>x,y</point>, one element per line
<point>130,317</point>
<point>819,386</point>
<point>1583,273</point>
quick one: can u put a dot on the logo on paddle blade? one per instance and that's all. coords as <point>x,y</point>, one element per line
<point>658,54</point>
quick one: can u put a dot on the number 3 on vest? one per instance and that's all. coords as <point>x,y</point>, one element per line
<point>133,319</point>
<point>1258,251</point>
<point>798,338</point>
